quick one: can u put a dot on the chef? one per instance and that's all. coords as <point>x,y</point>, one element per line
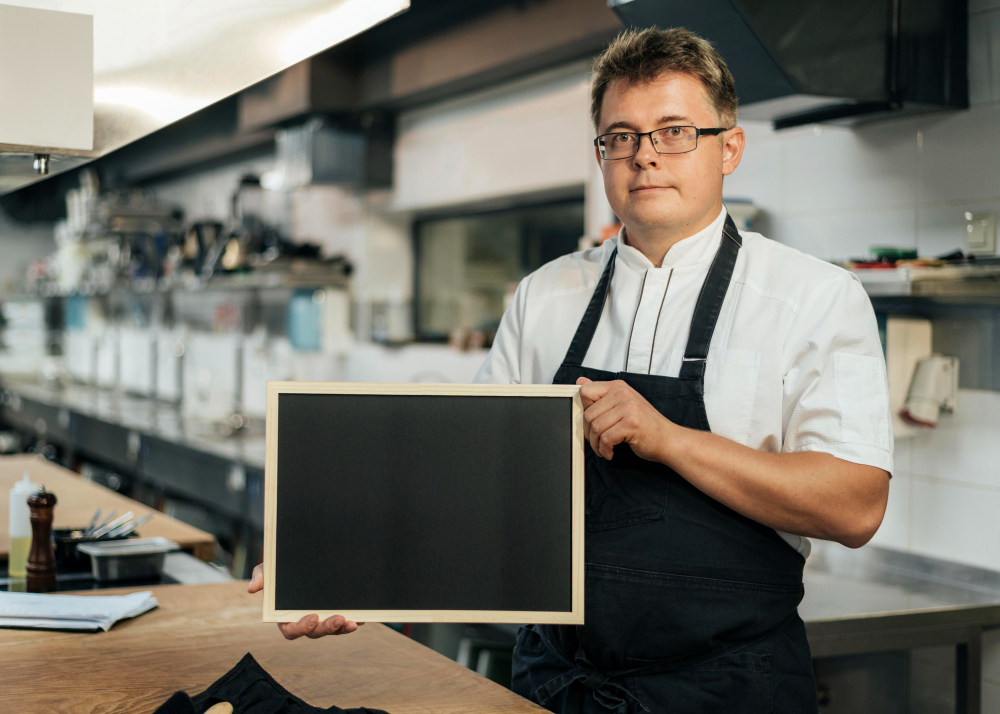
<point>735,404</point>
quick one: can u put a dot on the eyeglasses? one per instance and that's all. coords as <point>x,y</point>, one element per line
<point>671,140</point>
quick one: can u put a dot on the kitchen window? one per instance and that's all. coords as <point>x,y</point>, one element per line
<point>468,266</point>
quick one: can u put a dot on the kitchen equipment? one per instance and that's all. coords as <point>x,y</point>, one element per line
<point>93,520</point>
<point>933,389</point>
<point>128,527</point>
<point>68,557</point>
<point>798,63</point>
<point>133,559</point>
<point>114,524</point>
<point>107,519</point>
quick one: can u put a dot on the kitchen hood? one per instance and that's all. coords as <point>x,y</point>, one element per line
<point>802,61</point>
<point>157,61</point>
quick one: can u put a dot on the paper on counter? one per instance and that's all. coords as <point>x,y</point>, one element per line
<point>71,612</point>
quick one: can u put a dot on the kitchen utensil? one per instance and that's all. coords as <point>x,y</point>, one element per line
<point>104,522</point>
<point>126,528</point>
<point>114,524</point>
<point>93,521</point>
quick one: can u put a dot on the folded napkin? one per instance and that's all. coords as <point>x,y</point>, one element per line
<point>71,612</point>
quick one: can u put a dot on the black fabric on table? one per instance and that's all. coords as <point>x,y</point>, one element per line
<point>251,690</point>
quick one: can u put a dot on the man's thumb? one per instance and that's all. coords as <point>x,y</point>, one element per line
<point>582,380</point>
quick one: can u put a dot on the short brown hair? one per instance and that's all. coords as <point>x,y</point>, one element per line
<point>642,56</point>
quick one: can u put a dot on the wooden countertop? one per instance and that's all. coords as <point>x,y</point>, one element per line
<point>199,632</point>
<point>77,499</point>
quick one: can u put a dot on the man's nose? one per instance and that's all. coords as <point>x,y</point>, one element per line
<point>646,155</point>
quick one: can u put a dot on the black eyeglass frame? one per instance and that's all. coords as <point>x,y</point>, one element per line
<point>713,131</point>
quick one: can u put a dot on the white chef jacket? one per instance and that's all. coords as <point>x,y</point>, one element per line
<point>795,362</point>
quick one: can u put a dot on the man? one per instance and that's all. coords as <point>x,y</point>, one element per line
<point>735,403</point>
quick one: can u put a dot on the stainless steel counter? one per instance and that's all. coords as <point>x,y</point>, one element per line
<point>878,600</point>
<point>141,414</point>
<point>872,581</point>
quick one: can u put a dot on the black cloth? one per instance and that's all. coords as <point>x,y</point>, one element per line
<point>689,606</point>
<point>251,690</point>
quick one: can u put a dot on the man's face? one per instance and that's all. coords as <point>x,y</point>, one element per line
<point>654,191</point>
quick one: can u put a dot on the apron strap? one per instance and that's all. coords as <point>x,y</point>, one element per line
<point>706,311</point>
<point>610,697</point>
<point>588,325</point>
<point>709,305</point>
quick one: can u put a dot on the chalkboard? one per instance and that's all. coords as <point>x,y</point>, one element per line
<point>424,503</point>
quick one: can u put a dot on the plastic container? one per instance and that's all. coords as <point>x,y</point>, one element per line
<point>131,559</point>
<point>20,526</point>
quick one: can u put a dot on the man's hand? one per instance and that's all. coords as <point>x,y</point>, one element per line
<point>615,413</point>
<point>310,626</point>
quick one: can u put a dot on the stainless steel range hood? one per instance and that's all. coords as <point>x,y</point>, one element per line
<point>158,61</point>
<point>802,61</point>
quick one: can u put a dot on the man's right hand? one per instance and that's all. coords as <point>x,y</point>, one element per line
<point>310,626</point>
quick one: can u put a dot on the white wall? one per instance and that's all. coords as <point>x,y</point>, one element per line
<point>529,135</point>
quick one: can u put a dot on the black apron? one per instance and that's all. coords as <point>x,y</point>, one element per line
<point>689,606</point>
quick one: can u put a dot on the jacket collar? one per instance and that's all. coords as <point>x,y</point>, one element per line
<point>691,251</point>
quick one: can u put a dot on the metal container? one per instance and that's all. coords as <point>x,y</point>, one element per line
<point>131,559</point>
<point>68,558</point>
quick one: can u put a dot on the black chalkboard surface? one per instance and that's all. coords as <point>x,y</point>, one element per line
<point>424,503</point>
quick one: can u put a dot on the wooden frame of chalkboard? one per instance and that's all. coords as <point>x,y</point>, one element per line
<point>527,570</point>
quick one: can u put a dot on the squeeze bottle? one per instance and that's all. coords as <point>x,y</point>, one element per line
<point>20,527</point>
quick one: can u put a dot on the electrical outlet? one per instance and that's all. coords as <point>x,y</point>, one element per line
<point>980,233</point>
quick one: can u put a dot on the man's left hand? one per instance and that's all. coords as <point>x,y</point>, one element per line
<point>614,413</point>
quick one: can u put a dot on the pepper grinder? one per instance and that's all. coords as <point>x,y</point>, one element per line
<point>41,558</point>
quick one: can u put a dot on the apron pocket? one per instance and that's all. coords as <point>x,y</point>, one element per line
<point>739,683</point>
<point>620,496</point>
<point>635,617</point>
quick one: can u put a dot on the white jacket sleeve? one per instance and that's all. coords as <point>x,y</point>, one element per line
<point>836,396</point>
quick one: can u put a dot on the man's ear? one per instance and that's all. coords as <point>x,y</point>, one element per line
<point>597,155</point>
<point>732,149</point>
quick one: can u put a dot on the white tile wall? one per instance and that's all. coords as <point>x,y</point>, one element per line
<point>847,234</point>
<point>964,447</point>
<point>960,159</point>
<point>939,224</point>
<point>880,160</point>
<point>759,172</point>
<point>895,529</point>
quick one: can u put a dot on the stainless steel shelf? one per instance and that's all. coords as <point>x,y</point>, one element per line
<point>960,284</point>
<point>257,280</point>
